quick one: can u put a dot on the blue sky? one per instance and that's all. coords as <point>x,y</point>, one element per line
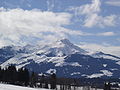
<point>87,23</point>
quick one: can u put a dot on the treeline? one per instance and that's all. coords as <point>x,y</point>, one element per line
<point>23,77</point>
<point>13,76</point>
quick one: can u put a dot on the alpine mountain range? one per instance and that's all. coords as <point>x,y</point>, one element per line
<point>62,57</point>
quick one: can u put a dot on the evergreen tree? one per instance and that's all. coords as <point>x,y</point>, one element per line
<point>33,79</point>
<point>23,76</point>
<point>42,81</point>
<point>107,86</point>
<point>11,73</point>
<point>1,74</point>
<point>46,85</point>
<point>53,81</point>
<point>26,76</point>
<point>20,76</point>
<point>4,75</point>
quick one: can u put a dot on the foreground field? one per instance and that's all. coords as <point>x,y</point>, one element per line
<point>13,87</point>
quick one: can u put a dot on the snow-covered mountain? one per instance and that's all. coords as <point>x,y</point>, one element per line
<point>62,57</point>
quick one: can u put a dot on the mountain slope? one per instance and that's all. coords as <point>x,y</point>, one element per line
<point>9,52</point>
<point>66,59</point>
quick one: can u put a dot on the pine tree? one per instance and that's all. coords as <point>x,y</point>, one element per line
<point>46,85</point>
<point>12,73</point>
<point>26,76</point>
<point>53,81</point>
<point>21,76</point>
<point>107,86</point>
<point>33,79</point>
<point>0,74</point>
<point>42,81</point>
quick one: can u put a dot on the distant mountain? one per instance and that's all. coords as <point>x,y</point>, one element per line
<point>62,57</point>
<point>105,56</point>
<point>8,52</point>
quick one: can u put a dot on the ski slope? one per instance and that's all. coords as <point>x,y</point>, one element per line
<point>13,87</point>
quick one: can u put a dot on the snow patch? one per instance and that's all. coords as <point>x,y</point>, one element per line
<point>75,73</point>
<point>106,73</point>
<point>95,75</point>
<point>104,65</point>
<point>51,71</point>
<point>114,69</point>
<point>118,62</point>
<point>74,64</point>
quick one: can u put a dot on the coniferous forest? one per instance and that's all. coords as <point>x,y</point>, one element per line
<point>24,77</point>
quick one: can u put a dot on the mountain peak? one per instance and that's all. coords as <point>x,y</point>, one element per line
<point>70,47</point>
<point>61,47</point>
<point>65,41</point>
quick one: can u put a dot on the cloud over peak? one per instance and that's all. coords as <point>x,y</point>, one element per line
<point>18,26</point>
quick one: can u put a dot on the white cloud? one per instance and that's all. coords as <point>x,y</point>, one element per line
<point>94,7</point>
<point>114,50</point>
<point>50,4</point>
<point>18,26</point>
<point>106,34</point>
<point>92,17</point>
<point>113,3</point>
<point>2,43</point>
<point>95,20</point>
<point>118,39</point>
